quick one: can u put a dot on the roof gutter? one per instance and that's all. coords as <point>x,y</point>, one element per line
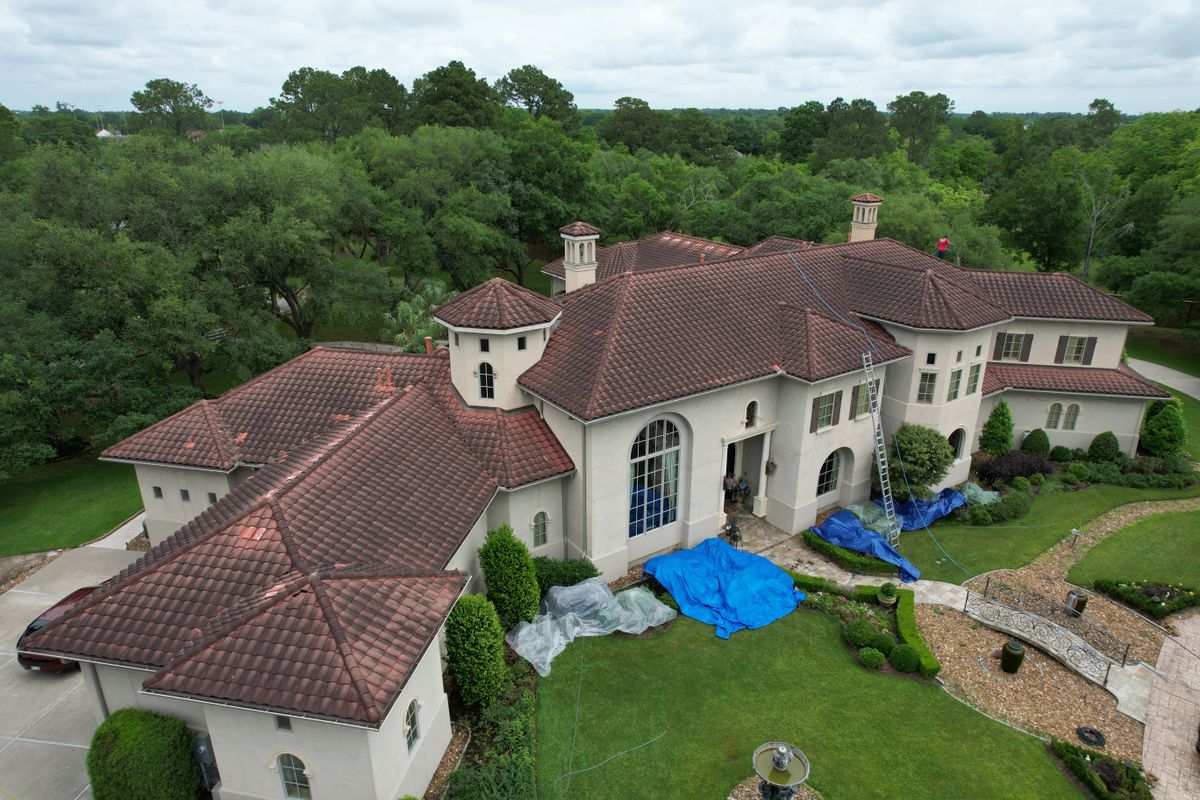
<point>538,482</point>
<point>883,321</point>
<point>136,462</point>
<point>1061,392</point>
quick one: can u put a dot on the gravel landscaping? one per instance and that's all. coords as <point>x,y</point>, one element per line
<point>460,737</point>
<point>748,790</point>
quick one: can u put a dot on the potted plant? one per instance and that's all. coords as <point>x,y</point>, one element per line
<point>887,595</point>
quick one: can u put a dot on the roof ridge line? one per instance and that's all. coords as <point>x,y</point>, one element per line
<point>366,699</point>
<point>219,430</point>
<point>602,363</point>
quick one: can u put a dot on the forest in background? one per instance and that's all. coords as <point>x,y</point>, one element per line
<point>198,248</point>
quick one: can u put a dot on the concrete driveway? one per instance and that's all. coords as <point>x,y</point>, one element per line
<point>46,722</point>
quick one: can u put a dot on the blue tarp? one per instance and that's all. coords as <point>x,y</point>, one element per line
<point>716,584</point>
<point>846,530</point>
<point>916,514</point>
<point>648,510</point>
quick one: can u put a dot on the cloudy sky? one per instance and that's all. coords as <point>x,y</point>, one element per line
<point>1000,55</point>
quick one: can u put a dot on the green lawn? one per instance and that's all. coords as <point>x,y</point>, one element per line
<point>64,504</point>
<point>1166,346</point>
<point>1163,548</point>
<point>1014,544</point>
<point>867,734</point>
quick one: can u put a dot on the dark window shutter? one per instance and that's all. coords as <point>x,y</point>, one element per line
<point>812,423</point>
<point>1061,352</point>
<point>854,399</point>
<point>837,407</point>
<point>998,353</point>
<point>1026,346</point>
<point>1089,350</point>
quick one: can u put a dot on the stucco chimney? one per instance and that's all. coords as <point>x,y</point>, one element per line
<point>866,216</point>
<point>579,254</point>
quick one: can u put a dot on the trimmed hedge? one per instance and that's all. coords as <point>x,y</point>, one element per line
<point>848,559</point>
<point>1012,506</point>
<point>1036,441</point>
<point>904,658</point>
<point>883,642</point>
<point>910,634</point>
<point>1060,454</point>
<point>811,583</point>
<point>1104,447</point>
<point>553,572</point>
<point>870,658</point>
<point>504,770</point>
<point>1142,595</point>
<point>141,755</point>
<point>1105,777</point>
<point>475,650</point>
<point>508,571</point>
<point>1136,473</point>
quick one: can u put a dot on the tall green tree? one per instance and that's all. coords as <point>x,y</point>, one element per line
<point>171,106</point>
<point>856,130</point>
<point>634,124</point>
<point>538,94</point>
<point>802,127</point>
<point>453,96</point>
<point>318,104</point>
<point>918,117</point>
<point>1042,210</point>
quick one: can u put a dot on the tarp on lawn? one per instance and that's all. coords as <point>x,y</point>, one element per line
<point>846,530</point>
<point>717,584</point>
<point>916,514</point>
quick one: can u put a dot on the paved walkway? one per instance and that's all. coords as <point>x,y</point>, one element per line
<point>1168,748</point>
<point>1181,381</point>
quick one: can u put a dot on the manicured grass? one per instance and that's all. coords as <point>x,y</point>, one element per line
<point>1013,544</point>
<point>1166,346</point>
<point>866,734</point>
<point>1164,548</point>
<point>64,504</point>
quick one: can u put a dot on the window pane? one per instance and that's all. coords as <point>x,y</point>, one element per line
<point>1053,415</point>
<point>955,381</point>
<point>1012,345</point>
<point>973,378</point>
<point>827,479</point>
<point>1075,347</point>
<point>653,479</point>
<point>825,410</point>
<point>1071,418</point>
<point>925,389</point>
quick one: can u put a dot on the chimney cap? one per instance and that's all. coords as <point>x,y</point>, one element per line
<point>578,228</point>
<point>866,197</point>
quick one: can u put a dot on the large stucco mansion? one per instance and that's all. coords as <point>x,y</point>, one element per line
<point>314,526</point>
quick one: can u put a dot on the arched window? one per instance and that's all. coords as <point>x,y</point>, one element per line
<point>487,381</point>
<point>539,528</point>
<point>1071,417</point>
<point>957,439</point>
<point>752,414</point>
<point>412,725</point>
<point>1053,416</point>
<point>295,782</point>
<point>827,478</point>
<point>654,477</point>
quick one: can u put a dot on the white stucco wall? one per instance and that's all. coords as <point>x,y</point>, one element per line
<point>507,361</point>
<point>1122,416</point>
<point>517,508</point>
<point>1110,339</point>
<point>167,514</point>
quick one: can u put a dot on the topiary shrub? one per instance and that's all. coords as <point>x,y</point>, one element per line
<point>997,434</point>
<point>1060,454</point>
<point>1037,479</point>
<point>1013,505</point>
<point>552,572</point>
<point>1104,447</point>
<point>870,658</point>
<point>904,658</point>
<point>1163,432</point>
<point>1003,468</point>
<point>1036,441</point>
<point>883,642</point>
<point>887,590</point>
<point>858,632</point>
<point>1079,471</point>
<point>1021,483</point>
<point>926,456</point>
<point>511,580</point>
<point>141,755</point>
<point>475,650</point>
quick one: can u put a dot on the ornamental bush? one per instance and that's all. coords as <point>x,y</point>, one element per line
<point>1079,471</point>
<point>1036,441</point>
<point>1105,777</point>
<point>475,650</point>
<point>141,755</point>
<point>1163,432</point>
<point>979,515</point>
<point>1104,447</point>
<point>552,572</point>
<point>1060,454</point>
<point>1021,483</point>
<point>904,658</point>
<point>883,642</point>
<point>870,658</point>
<point>508,571</point>
<point>1037,479</point>
<point>997,434</point>
<point>1157,600</point>
<point>925,457</point>
<point>859,632</point>
<point>1003,468</point>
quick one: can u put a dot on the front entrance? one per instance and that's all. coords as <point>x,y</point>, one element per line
<point>743,488</point>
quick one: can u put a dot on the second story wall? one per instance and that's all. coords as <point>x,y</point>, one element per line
<point>1088,344</point>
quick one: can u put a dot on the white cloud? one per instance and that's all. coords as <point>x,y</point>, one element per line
<point>754,53</point>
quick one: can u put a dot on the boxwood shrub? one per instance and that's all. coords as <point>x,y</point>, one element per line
<point>508,571</point>
<point>1021,483</point>
<point>1060,454</point>
<point>904,658</point>
<point>1104,447</point>
<point>1106,778</point>
<point>1154,599</point>
<point>883,642</point>
<point>475,650</point>
<point>910,634</point>
<point>859,632</point>
<point>1036,441</point>
<point>553,572</point>
<point>811,583</point>
<point>141,755</point>
<point>848,559</point>
<point>870,658</point>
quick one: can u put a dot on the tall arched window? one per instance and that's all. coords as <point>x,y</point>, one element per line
<point>654,477</point>
<point>827,478</point>
<point>487,381</point>
<point>412,725</point>
<point>752,414</point>
<point>1071,417</point>
<point>295,782</point>
<point>1053,415</point>
<point>957,439</point>
<point>539,528</point>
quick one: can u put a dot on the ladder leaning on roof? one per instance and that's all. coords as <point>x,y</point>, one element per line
<point>881,459</point>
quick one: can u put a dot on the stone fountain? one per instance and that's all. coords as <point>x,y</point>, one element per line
<point>781,769</point>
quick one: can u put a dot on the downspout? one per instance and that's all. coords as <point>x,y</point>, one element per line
<point>92,680</point>
<point>587,550</point>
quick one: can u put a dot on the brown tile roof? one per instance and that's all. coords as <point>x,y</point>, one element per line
<point>579,229</point>
<point>1053,295</point>
<point>662,250</point>
<point>1122,381</point>
<point>337,643</point>
<point>867,197</point>
<point>778,244</point>
<point>497,305</point>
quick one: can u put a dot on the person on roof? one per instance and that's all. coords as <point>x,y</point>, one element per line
<point>942,244</point>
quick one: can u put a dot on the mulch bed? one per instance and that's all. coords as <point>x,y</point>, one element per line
<point>748,790</point>
<point>140,543</point>
<point>460,737</point>
<point>634,575</point>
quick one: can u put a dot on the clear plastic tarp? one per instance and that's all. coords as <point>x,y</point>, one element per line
<point>588,608</point>
<point>872,516</point>
<point>978,496</point>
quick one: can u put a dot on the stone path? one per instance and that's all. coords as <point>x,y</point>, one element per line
<point>1181,381</point>
<point>1168,749</point>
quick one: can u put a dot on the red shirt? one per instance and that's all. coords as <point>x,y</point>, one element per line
<point>943,243</point>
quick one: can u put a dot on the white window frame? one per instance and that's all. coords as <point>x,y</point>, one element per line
<point>973,378</point>
<point>1054,416</point>
<point>829,474</point>
<point>654,457</point>
<point>955,385</point>
<point>543,532</point>
<point>487,381</point>
<point>864,402</point>
<point>296,785</point>
<point>1071,417</point>
<point>922,385</point>
<point>826,404</point>
<point>1075,349</point>
<point>1013,342</point>
<point>412,724</point>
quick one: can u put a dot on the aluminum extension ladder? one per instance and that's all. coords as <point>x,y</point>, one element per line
<point>881,458</point>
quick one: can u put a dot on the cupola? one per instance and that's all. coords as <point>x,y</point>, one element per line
<point>579,254</point>
<point>866,216</point>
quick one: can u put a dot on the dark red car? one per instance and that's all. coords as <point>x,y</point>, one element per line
<point>47,663</point>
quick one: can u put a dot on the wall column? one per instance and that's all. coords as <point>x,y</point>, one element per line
<point>760,502</point>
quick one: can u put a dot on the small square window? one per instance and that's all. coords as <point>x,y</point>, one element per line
<point>1013,343</point>
<point>958,357</point>
<point>825,408</point>
<point>931,358</point>
<point>1075,350</point>
<point>485,346</point>
<point>283,723</point>
<point>212,498</point>
<point>520,342</point>
<point>185,495</point>
<point>158,492</point>
<point>978,350</point>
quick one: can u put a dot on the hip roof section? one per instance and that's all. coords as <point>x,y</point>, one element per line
<point>1121,382</point>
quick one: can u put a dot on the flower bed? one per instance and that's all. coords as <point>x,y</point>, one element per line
<point>1105,777</point>
<point>1153,599</point>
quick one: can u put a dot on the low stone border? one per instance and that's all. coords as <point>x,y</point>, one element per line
<point>460,739</point>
